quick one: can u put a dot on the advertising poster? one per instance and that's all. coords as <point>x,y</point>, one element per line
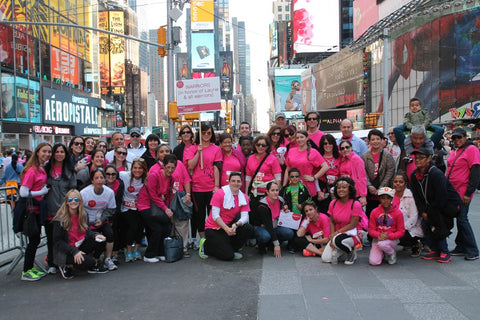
<point>183,70</point>
<point>203,51</point>
<point>20,99</point>
<point>198,95</point>
<point>226,80</point>
<point>288,95</point>
<point>64,66</point>
<point>104,50</point>
<point>365,14</point>
<point>273,40</point>
<point>10,39</point>
<point>311,19</point>
<point>117,53</point>
<point>201,15</point>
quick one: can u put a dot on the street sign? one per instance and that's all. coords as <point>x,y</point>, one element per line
<point>198,95</point>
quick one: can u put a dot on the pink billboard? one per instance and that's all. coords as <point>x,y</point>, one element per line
<point>311,19</point>
<point>365,14</point>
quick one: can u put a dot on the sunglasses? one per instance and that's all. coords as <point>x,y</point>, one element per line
<point>207,133</point>
<point>102,146</point>
<point>111,174</point>
<point>261,145</point>
<point>138,159</point>
<point>121,153</point>
<point>185,132</point>
<point>345,148</point>
<point>312,119</point>
<point>134,136</point>
<point>73,199</point>
<point>289,134</point>
<point>455,138</point>
<point>276,134</point>
<point>327,143</point>
<point>78,144</point>
<point>296,176</point>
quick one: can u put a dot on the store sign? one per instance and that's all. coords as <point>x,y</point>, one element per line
<point>65,108</point>
<point>468,111</point>
<point>52,130</point>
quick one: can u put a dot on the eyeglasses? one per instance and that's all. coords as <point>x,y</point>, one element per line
<point>73,199</point>
<point>185,132</point>
<point>134,136</point>
<point>312,119</point>
<point>289,134</point>
<point>296,176</point>
<point>276,134</point>
<point>111,174</point>
<point>78,144</point>
<point>102,146</point>
<point>261,145</point>
<point>121,153</point>
<point>345,148</point>
<point>207,133</point>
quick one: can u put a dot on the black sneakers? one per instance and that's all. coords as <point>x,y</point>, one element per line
<point>98,268</point>
<point>66,272</point>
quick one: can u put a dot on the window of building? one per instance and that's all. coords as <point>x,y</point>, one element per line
<point>279,8</point>
<point>287,17</point>
<point>279,17</point>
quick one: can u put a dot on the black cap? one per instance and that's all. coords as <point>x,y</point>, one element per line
<point>459,132</point>
<point>424,150</point>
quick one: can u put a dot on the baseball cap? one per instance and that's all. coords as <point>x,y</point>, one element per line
<point>280,115</point>
<point>386,190</point>
<point>459,132</point>
<point>135,130</point>
<point>424,150</point>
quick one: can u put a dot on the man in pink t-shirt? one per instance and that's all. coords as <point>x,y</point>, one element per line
<point>463,172</point>
<point>312,119</point>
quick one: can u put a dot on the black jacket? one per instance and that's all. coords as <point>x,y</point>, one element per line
<point>149,159</point>
<point>263,217</point>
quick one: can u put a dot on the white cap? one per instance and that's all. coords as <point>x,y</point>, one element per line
<point>387,191</point>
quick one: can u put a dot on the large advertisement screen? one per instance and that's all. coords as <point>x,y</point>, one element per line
<point>117,52</point>
<point>20,99</point>
<point>273,40</point>
<point>226,80</point>
<point>439,63</point>
<point>288,96</point>
<point>365,14</point>
<point>316,26</point>
<point>203,51</point>
<point>201,15</point>
<point>14,48</point>
<point>340,80</point>
<point>64,66</point>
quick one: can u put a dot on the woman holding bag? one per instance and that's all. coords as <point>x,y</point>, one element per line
<point>34,180</point>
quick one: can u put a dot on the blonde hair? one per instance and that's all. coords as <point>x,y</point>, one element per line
<point>63,214</point>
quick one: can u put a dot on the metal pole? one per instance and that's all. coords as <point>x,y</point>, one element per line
<point>170,76</point>
<point>386,72</point>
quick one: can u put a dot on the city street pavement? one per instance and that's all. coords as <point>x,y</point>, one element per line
<point>293,287</point>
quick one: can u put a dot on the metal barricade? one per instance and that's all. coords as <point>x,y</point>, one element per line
<point>12,245</point>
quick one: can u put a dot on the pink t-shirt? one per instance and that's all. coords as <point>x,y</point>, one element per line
<point>343,212</point>
<point>410,167</point>
<point>203,180</point>
<point>322,224</point>
<point>315,137</point>
<point>354,167</point>
<point>274,208</point>
<point>34,179</point>
<point>75,235</point>
<point>298,159</point>
<point>333,170</point>
<point>230,164</point>
<point>226,215</point>
<point>460,173</point>
<point>267,172</point>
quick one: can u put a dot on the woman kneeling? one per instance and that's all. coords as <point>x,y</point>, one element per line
<point>314,232</point>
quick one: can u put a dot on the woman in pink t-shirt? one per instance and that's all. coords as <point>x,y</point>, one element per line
<point>345,213</point>
<point>34,179</point>
<point>277,141</point>
<point>233,159</point>
<point>204,159</point>
<point>314,231</point>
<point>227,228</point>
<point>353,166</point>
<point>311,164</point>
<point>329,150</point>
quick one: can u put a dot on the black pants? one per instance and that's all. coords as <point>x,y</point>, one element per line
<point>222,246</point>
<point>302,243</point>
<point>201,208</point>
<point>92,249</point>
<point>49,232</point>
<point>157,230</point>
<point>118,238</point>
<point>107,231</point>
<point>31,250</point>
<point>407,240</point>
<point>131,227</point>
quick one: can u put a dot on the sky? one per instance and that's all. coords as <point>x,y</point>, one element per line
<point>257,15</point>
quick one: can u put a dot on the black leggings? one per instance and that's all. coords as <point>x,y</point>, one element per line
<point>157,230</point>
<point>339,242</point>
<point>131,227</point>
<point>49,233</point>
<point>302,243</point>
<point>92,249</point>
<point>31,250</point>
<point>201,208</point>
<point>223,246</point>
<point>106,230</point>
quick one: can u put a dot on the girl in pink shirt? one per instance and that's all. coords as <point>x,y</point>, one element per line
<point>314,231</point>
<point>233,159</point>
<point>204,160</point>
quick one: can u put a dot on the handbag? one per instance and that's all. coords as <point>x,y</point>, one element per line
<point>156,211</point>
<point>376,181</point>
<point>30,225</point>
<point>181,210</point>
<point>173,246</point>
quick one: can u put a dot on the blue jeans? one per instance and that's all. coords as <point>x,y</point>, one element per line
<point>465,239</point>
<point>435,245</point>
<point>263,236</point>
<point>437,134</point>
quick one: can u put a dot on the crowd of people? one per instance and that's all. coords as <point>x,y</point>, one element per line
<point>299,189</point>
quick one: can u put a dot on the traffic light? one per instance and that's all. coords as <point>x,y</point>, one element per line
<point>172,110</point>
<point>162,39</point>
<point>229,130</point>
<point>228,118</point>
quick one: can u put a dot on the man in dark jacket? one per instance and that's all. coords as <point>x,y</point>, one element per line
<point>437,203</point>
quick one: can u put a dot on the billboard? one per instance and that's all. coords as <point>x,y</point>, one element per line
<point>365,14</point>
<point>201,15</point>
<point>273,40</point>
<point>65,108</point>
<point>340,80</point>
<point>226,80</point>
<point>203,51</point>
<point>311,19</point>
<point>288,95</point>
<point>439,62</point>
<point>183,68</point>
<point>14,48</point>
<point>64,66</point>
<point>198,95</point>
<point>20,99</point>
<point>331,119</point>
<point>308,92</point>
